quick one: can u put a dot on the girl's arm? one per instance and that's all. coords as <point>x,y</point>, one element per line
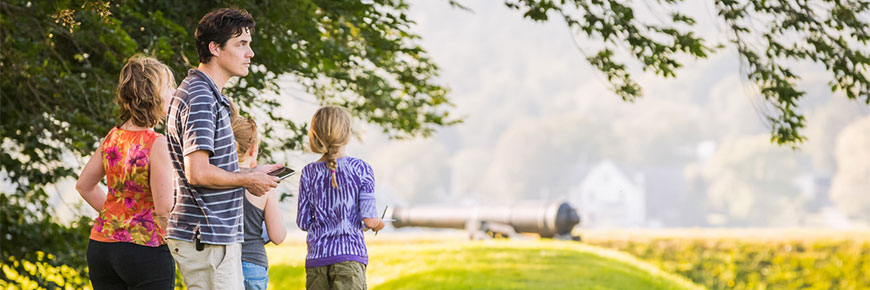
<point>161,180</point>
<point>90,178</point>
<point>303,210</point>
<point>274,219</point>
<point>367,205</point>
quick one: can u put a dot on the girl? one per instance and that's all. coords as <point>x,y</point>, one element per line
<point>126,249</point>
<point>261,213</point>
<point>336,199</point>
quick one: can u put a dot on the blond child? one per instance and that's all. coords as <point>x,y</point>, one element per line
<point>261,213</point>
<point>336,201</point>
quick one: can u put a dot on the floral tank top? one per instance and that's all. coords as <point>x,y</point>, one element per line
<point>128,214</point>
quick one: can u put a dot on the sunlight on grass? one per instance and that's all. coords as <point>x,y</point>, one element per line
<point>750,258</point>
<point>498,264</point>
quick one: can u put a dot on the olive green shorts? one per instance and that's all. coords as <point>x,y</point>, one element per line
<point>341,275</point>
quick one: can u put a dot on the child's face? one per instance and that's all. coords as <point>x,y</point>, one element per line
<point>250,157</point>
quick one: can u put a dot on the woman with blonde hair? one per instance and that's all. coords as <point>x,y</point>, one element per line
<point>336,201</point>
<point>126,249</point>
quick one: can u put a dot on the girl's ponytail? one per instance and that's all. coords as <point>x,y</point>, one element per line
<point>331,162</point>
<point>329,131</point>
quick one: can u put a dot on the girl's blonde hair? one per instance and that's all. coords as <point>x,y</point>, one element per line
<point>245,131</point>
<point>139,87</point>
<point>330,130</point>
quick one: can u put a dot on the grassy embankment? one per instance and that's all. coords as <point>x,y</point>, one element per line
<point>399,262</point>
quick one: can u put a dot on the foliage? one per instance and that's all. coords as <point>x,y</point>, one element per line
<point>731,263</point>
<point>60,62</point>
<point>41,251</point>
<point>40,273</point>
<point>497,264</point>
<point>768,36</point>
<point>752,182</point>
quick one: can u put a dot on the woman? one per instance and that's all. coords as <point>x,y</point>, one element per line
<point>126,249</point>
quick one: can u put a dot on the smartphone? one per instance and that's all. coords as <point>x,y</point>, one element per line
<point>282,172</point>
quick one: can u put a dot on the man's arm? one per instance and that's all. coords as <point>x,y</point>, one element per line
<point>203,174</point>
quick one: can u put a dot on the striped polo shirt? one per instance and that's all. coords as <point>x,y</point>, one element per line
<point>333,216</point>
<point>199,119</point>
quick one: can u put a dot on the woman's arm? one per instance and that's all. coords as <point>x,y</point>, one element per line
<point>88,182</point>
<point>274,219</point>
<point>161,180</point>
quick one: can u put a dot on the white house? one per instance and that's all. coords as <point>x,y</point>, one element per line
<point>607,198</point>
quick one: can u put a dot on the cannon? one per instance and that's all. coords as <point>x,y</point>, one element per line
<point>549,220</point>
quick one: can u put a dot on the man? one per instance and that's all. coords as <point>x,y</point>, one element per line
<point>205,226</point>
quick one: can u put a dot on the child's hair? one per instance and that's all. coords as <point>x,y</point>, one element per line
<point>219,26</point>
<point>245,131</point>
<point>139,87</point>
<point>330,130</point>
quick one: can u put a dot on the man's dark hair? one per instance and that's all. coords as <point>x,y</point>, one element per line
<point>219,26</point>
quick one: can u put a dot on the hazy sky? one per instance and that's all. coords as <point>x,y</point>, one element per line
<point>535,110</point>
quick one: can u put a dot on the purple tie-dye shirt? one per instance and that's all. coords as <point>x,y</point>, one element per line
<point>333,216</point>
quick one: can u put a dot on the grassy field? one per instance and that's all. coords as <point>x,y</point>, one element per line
<point>454,263</point>
<point>751,259</point>
<point>614,259</point>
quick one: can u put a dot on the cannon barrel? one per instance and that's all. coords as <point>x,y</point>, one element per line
<point>546,219</point>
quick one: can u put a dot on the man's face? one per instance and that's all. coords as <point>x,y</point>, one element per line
<point>235,56</point>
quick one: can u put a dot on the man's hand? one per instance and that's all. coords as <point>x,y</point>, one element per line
<point>261,182</point>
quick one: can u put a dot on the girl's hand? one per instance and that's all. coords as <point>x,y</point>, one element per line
<point>380,226</point>
<point>376,224</point>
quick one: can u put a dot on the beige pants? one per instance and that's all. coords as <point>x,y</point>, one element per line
<point>215,267</point>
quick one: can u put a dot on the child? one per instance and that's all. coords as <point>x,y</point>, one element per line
<point>336,199</point>
<point>126,248</point>
<point>257,210</point>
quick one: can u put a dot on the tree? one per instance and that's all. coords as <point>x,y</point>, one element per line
<point>851,184</point>
<point>768,35</point>
<point>753,181</point>
<point>60,62</point>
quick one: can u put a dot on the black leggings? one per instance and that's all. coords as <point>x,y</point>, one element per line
<point>130,266</point>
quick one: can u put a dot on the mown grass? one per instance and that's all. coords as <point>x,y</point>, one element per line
<point>499,264</point>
